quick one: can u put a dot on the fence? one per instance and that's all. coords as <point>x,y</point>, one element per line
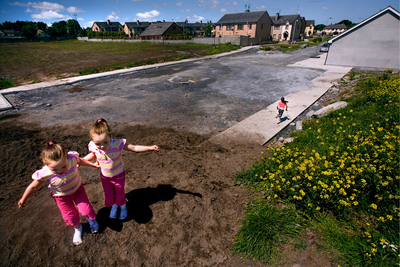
<point>236,40</point>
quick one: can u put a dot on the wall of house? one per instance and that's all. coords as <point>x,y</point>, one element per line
<point>375,44</point>
<point>265,32</point>
<point>245,32</point>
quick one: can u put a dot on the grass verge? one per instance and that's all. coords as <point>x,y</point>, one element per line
<point>346,165</point>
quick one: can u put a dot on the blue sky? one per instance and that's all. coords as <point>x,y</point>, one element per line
<point>88,11</point>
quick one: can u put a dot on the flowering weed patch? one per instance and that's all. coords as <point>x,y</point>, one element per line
<point>345,164</point>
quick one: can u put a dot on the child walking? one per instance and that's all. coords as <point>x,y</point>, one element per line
<point>61,171</point>
<point>108,153</point>
<point>280,107</point>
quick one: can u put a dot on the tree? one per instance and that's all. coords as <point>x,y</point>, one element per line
<point>29,30</point>
<point>208,29</point>
<point>58,29</point>
<point>319,27</point>
<point>346,22</point>
<point>73,27</point>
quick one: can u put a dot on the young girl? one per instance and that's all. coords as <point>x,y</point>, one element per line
<point>108,152</point>
<point>280,107</point>
<point>65,183</point>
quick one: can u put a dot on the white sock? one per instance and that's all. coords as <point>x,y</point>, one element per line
<point>113,212</point>
<point>124,212</point>
<point>77,240</point>
<point>94,226</point>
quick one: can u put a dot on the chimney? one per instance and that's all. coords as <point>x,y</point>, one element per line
<point>277,16</point>
<point>108,22</point>
<point>201,22</point>
<point>186,21</point>
<point>137,22</point>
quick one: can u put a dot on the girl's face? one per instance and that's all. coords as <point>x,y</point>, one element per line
<point>102,141</point>
<point>58,167</point>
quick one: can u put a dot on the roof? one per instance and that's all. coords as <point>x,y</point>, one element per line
<point>157,28</point>
<point>310,22</point>
<point>336,26</point>
<point>103,24</point>
<point>137,24</point>
<point>389,9</point>
<point>186,24</point>
<point>245,17</point>
<point>284,18</point>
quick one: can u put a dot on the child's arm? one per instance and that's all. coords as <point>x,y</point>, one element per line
<point>139,148</point>
<point>85,162</point>
<point>29,191</point>
<point>91,156</point>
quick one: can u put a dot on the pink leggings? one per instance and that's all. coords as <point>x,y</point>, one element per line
<point>114,189</point>
<point>68,210</point>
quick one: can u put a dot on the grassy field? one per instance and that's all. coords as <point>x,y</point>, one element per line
<point>24,63</point>
<point>338,179</point>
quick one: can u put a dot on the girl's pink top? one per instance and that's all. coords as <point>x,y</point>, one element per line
<point>61,184</point>
<point>281,105</point>
<point>110,160</point>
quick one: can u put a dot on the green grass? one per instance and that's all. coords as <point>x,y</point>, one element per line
<point>5,83</point>
<point>346,165</point>
<point>264,228</point>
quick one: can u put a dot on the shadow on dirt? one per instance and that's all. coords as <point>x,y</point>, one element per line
<point>138,203</point>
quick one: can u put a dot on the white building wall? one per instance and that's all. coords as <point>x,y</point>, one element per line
<point>375,44</point>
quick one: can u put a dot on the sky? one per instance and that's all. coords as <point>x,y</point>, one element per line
<point>88,11</point>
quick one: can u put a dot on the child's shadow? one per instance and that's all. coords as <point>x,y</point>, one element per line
<point>138,202</point>
<point>283,119</point>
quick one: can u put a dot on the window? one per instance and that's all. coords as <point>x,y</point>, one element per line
<point>280,35</point>
<point>229,27</point>
<point>277,27</point>
<point>262,26</point>
<point>240,27</point>
<point>173,28</point>
<point>220,27</point>
<point>274,36</point>
<point>250,26</point>
<point>287,27</point>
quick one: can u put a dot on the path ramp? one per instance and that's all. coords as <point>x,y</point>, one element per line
<point>263,126</point>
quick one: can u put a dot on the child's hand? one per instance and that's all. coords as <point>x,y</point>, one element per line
<point>97,164</point>
<point>155,148</point>
<point>21,204</point>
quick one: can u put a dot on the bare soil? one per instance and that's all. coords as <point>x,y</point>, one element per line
<point>184,207</point>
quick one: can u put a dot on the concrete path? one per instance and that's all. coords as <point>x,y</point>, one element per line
<point>263,126</point>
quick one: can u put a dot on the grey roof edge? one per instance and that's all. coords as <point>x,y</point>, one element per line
<point>364,22</point>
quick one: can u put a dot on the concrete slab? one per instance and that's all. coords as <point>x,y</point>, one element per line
<point>4,104</point>
<point>263,126</point>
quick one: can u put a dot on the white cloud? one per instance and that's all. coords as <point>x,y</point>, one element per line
<point>179,4</point>
<point>224,10</point>
<point>73,9</point>
<point>112,16</point>
<point>234,3</point>
<point>213,3</point>
<point>324,8</point>
<point>138,0</point>
<point>187,11</point>
<point>50,15</point>
<point>148,15</point>
<point>195,18</point>
<point>47,6</point>
<point>261,7</point>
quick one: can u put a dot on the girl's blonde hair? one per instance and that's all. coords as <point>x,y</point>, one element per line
<point>100,127</point>
<point>53,152</point>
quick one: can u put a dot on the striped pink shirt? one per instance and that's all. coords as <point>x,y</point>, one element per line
<point>110,160</point>
<point>61,184</point>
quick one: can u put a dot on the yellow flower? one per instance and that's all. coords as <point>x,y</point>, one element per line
<point>374,206</point>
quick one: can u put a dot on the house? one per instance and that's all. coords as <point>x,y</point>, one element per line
<point>373,43</point>
<point>302,27</point>
<point>193,29</point>
<point>310,24</point>
<point>160,30</point>
<point>107,26</point>
<point>334,29</point>
<point>251,24</point>
<point>135,28</point>
<point>286,27</point>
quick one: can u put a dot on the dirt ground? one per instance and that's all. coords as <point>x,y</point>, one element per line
<point>184,208</point>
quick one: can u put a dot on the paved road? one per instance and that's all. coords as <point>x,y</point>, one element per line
<point>204,96</point>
